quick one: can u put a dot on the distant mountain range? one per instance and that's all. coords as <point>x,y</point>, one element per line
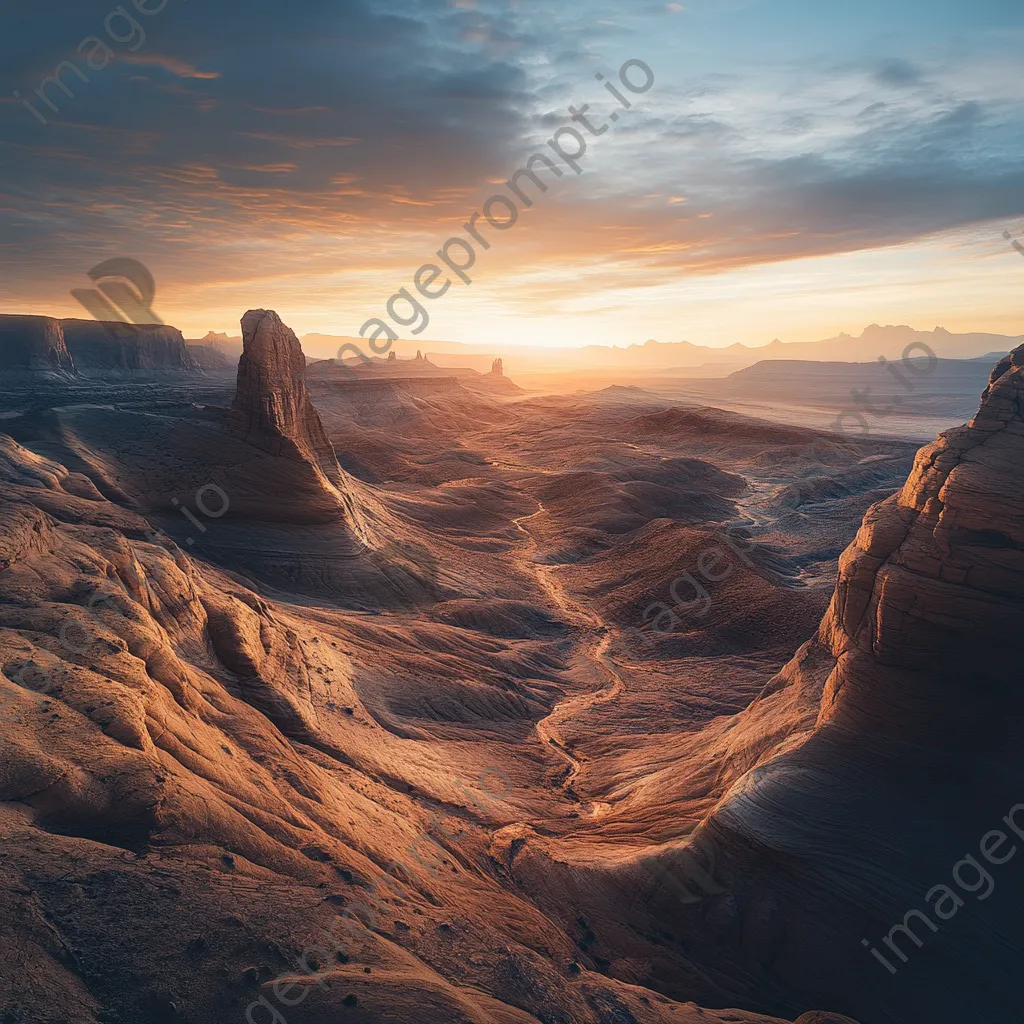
<point>874,341</point>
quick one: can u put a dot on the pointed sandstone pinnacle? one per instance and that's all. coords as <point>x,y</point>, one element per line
<point>271,403</point>
<point>930,598</point>
<point>497,368</point>
<point>273,411</point>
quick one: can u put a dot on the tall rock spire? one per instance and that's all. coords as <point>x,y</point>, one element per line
<point>272,404</point>
<point>273,410</point>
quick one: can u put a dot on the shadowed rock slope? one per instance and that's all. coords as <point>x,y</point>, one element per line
<point>843,841</point>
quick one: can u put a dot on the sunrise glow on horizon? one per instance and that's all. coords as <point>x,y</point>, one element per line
<point>804,187</point>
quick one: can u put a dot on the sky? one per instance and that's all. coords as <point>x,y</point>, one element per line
<point>797,169</point>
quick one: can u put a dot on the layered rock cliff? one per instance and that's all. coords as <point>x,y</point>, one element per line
<point>34,345</point>
<point>857,849</point>
<point>119,350</point>
<point>932,590</point>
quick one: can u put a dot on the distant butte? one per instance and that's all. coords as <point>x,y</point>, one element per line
<point>34,345</point>
<point>61,349</point>
<point>119,350</point>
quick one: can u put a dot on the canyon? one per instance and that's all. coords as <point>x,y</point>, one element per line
<point>387,734</point>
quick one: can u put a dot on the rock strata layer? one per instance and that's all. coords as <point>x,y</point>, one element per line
<point>914,758</point>
<point>931,592</point>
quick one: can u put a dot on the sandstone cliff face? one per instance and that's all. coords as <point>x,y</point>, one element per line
<point>931,592</point>
<point>825,846</point>
<point>34,345</point>
<point>127,350</point>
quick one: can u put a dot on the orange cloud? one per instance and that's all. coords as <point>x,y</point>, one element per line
<point>174,65</point>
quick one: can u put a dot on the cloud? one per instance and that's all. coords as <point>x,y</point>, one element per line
<point>353,138</point>
<point>176,66</point>
<point>898,73</point>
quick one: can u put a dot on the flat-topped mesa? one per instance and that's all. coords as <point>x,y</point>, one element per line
<point>33,346</point>
<point>272,409</point>
<point>119,350</point>
<point>930,597</point>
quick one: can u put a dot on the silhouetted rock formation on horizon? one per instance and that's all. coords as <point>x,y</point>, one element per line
<point>216,342</point>
<point>91,348</point>
<point>210,358</point>
<point>497,368</point>
<point>120,350</point>
<point>33,345</point>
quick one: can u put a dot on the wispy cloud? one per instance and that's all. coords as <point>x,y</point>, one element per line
<point>176,66</point>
